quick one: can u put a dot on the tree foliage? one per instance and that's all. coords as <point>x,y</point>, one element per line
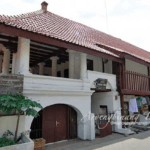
<point>21,104</point>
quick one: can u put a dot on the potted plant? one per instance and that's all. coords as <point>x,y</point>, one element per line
<point>21,104</point>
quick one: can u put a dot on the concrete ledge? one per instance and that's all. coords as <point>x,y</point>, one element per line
<point>27,145</point>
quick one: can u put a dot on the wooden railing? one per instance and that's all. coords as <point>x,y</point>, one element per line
<point>136,82</point>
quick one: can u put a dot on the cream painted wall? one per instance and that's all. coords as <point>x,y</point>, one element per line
<point>97,63</point>
<point>133,66</point>
<point>108,67</point>
<point>10,122</point>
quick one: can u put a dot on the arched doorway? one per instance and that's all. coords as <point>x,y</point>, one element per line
<point>55,123</point>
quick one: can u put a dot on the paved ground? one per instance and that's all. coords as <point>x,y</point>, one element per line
<point>115,141</point>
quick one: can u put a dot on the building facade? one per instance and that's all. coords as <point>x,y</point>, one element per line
<point>60,69</point>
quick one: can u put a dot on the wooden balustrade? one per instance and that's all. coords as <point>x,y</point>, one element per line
<point>136,82</point>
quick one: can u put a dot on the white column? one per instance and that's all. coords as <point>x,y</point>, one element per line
<point>41,68</point>
<point>54,65</point>
<point>14,63</point>
<point>6,61</point>
<point>1,59</point>
<point>71,63</point>
<point>83,66</point>
<point>23,55</point>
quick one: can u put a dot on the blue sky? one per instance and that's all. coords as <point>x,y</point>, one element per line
<point>127,19</point>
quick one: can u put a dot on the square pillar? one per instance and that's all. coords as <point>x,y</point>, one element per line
<point>83,66</point>
<point>22,58</point>
<point>1,59</point>
<point>41,68</point>
<point>71,63</point>
<point>14,63</point>
<point>6,61</point>
<point>54,65</point>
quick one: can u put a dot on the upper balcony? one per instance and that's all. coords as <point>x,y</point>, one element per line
<point>136,83</point>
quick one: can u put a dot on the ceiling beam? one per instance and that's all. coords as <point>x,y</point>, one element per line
<point>57,53</point>
<point>9,38</point>
<point>55,42</point>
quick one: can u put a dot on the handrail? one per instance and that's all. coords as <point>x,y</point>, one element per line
<point>136,82</point>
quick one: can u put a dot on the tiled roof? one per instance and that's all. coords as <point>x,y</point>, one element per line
<point>51,25</point>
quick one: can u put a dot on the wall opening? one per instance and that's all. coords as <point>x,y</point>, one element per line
<point>55,123</point>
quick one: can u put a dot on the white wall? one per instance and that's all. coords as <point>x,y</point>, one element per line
<point>105,98</point>
<point>79,100</point>
<point>136,67</point>
<point>93,75</point>
<point>112,100</point>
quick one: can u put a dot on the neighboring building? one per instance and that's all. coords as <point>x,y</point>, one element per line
<point>60,60</point>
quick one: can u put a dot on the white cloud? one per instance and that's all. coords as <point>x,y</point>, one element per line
<point>125,5</point>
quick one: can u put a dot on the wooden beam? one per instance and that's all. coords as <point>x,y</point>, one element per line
<point>113,50</point>
<point>122,106</point>
<point>148,71</point>
<point>129,92</point>
<point>36,52</point>
<point>42,47</point>
<point>9,45</point>
<point>57,53</point>
<point>54,42</point>
<point>9,38</point>
<point>40,43</point>
<point>102,90</point>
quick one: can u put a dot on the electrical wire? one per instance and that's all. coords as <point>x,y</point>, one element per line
<point>106,15</point>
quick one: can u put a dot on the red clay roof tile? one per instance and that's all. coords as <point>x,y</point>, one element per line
<point>52,25</point>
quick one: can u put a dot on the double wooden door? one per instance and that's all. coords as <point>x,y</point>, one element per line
<point>58,123</point>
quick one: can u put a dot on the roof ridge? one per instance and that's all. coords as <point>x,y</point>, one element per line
<point>22,16</point>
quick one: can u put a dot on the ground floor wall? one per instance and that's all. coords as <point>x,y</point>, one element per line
<point>112,101</point>
<point>79,100</point>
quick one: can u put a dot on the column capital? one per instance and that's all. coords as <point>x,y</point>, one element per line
<point>41,64</point>
<point>83,54</point>
<point>21,38</point>
<point>70,51</point>
<point>4,49</point>
<point>54,58</point>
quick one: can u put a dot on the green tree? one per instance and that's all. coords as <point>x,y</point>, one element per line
<point>21,104</point>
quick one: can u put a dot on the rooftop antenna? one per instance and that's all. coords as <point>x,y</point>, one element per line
<point>106,15</point>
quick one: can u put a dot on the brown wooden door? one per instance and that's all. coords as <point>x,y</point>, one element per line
<point>54,124</point>
<point>49,124</point>
<point>61,123</point>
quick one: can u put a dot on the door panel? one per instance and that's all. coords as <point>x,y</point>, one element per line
<point>58,123</point>
<point>73,124</point>
<point>48,127</point>
<point>61,120</point>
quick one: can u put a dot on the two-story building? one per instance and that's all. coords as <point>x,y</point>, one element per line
<point>63,64</point>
